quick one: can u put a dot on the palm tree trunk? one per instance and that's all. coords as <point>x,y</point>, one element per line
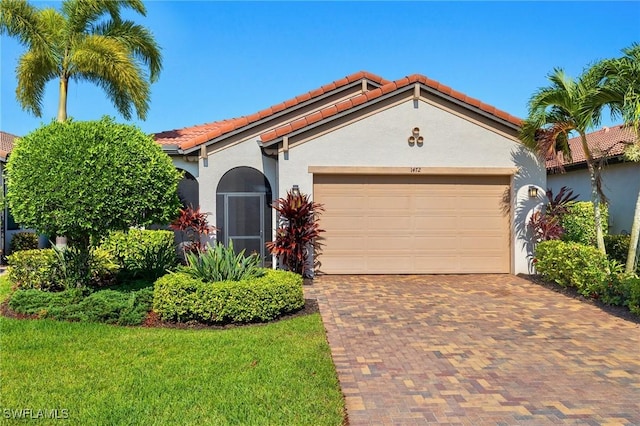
<point>62,101</point>
<point>595,195</point>
<point>633,243</point>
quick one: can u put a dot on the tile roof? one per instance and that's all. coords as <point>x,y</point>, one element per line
<point>6,144</point>
<point>190,137</point>
<point>607,142</point>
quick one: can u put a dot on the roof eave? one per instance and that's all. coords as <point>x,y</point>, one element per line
<point>278,114</point>
<point>387,96</point>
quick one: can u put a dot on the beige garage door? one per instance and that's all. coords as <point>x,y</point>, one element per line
<point>412,224</point>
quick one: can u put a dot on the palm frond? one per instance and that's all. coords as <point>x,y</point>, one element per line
<point>33,72</point>
<point>140,42</point>
<point>106,62</point>
<point>21,20</point>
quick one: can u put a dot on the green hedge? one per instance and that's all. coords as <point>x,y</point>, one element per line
<point>35,269</point>
<point>579,223</point>
<point>572,265</point>
<point>49,271</point>
<point>179,297</point>
<point>142,252</point>
<point>24,241</point>
<point>617,247</point>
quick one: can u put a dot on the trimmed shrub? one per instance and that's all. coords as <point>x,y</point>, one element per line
<point>35,269</point>
<point>106,306</point>
<point>221,263</point>
<point>142,253</point>
<point>180,297</point>
<point>572,264</point>
<point>633,288</point>
<point>24,241</point>
<point>579,224</point>
<point>617,246</point>
<point>54,270</point>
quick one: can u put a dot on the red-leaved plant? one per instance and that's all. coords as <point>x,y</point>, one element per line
<point>193,224</point>
<point>297,234</point>
<point>547,224</point>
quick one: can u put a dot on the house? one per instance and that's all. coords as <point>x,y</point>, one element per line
<point>620,178</point>
<point>414,176</point>
<point>9,227</point>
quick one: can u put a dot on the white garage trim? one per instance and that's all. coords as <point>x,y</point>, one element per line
<point>414,170</point>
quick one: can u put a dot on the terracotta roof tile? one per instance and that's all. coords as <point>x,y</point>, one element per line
<point>607,142</point>
<point>344,105</point>
<point>192,136</point>
<point>315,117</point>
<point>6,144</point>
<point>298,124</point>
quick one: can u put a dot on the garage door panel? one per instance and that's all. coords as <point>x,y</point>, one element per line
<point>413,224</point>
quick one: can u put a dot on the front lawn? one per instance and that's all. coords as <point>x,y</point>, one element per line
<point>273,374</point>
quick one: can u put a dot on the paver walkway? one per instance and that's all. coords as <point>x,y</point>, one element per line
<point>476,350</point>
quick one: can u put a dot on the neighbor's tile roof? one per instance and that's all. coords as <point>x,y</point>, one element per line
<point>190,137</point>
<point>6,144</point>
<point>607,142</point>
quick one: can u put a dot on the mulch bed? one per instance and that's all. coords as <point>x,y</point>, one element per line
<point>618,311</point>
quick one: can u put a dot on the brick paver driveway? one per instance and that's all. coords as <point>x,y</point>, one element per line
<point>476,350</point>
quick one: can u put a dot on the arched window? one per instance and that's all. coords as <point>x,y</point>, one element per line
<point>243,211</point>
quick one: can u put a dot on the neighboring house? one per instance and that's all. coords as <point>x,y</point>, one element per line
<point>9,226</point>
<point>414,176</point>
<point>620,179</point>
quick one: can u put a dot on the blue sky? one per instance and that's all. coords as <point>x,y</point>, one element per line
<point>228,59</point>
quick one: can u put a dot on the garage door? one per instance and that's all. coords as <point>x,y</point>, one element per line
<point>413,224</point>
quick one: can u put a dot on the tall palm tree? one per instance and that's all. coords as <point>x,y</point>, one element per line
<point>568,105</point>
<point>621,82</point>
<point>86,40</point>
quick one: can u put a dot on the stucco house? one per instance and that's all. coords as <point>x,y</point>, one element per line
<point>414,176</point>
<point>620,178</point>
<point>9,226</point>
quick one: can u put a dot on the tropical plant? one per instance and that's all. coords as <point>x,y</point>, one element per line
<point>84,179</point>
<point>193,224</point>
<point>547,223</point>
<point>621,78</point>
<point>220,263</point>
<point>566,106</point>
<point>142,253</point>
<point>86,40</point>
<point>298,233</point>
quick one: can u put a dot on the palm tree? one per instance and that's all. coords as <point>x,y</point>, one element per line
<point>621,81</point>
<point>86,40</point>
<point>568,105</point>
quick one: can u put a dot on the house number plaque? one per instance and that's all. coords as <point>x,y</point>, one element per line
<point>415,169</point>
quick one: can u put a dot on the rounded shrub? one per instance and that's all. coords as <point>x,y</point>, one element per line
<point>35,269</point>
<point>24,241</point>
<point>180,297</point>
<point>579,224</point>
<point>572,265</point>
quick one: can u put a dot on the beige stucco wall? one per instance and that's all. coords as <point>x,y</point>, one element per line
<point>449,141</point>
<point>621,183</point>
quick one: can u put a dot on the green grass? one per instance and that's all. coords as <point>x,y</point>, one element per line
<point>275,374</point>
